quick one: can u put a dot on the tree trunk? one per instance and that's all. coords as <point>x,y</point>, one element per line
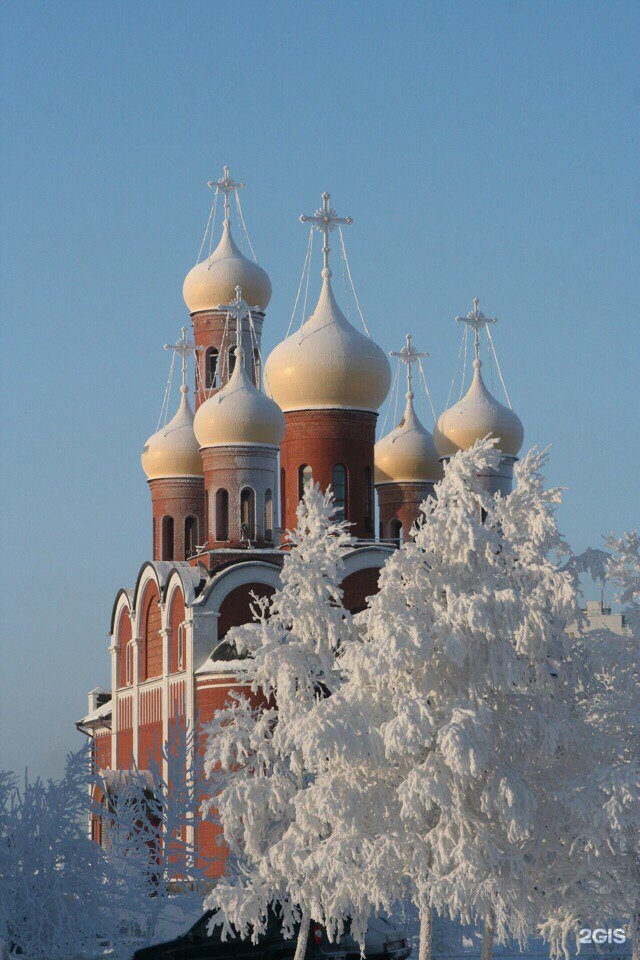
<point>303,936</point>
<point>635,934</point>
<point>426,923</point>
<point>487,940</point>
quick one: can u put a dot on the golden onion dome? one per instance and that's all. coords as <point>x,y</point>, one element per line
<point>475,416</point>
<point>239,413</point>
<point>213,281</point>
<point>174,451</point>
<point>327,363</point>
<point>408,453</point>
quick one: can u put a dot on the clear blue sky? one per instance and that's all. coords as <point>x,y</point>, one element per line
<point>482,148</point>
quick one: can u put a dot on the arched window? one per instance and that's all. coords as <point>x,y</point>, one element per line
<point>167,538</point>
<point>339,487</point>
<point>124,648</point>
<point>256,367</point>
<point>368,500</point>
<point>305,480</point>
<point>151,636</point>
<point>268,515</point>
<point>210,367</point>
<point>222,515</point>
<point>181,629</point>
<point>231,359</point>
<point>396,532</point>
<point>248,514</point>
<point>283,496</point>
<point>177,616</point>
<point>190,536</point>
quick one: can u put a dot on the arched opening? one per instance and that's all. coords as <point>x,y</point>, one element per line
<point>339,487</point>
<point>231,359</point>
<point>222,514</point>
<point>305,480</point>
<point>124,649</point>
<point>151,636</point>
<point>368,500</point>
<point>247,514</point>
<point>396,532</point>
<point>210,367</point>
<point>283,495</point>
<point>167,538</point>
<point>268,515</point>
<point>176,619</point>
<point>190,536</point>
<point>256,367</point>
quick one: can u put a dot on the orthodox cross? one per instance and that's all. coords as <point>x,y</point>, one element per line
<point>408,355</point>
<point>476,320</point>
<point>325,219</point>
<point>226,185</point>
<point>238,309</point>
<point>184,347</point>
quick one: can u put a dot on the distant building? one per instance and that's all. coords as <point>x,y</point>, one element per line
<point>599,617</point>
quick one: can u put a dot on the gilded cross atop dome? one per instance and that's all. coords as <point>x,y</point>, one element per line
<point>226,185</point>
<point>476,320</point>
<point>408,355</point>
<point>183,348</point>
<point>325,219</point>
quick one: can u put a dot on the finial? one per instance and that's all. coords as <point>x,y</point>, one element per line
<point>476,319</point>
<point>238,309</point>
<point>408,355</point>
<point>325,219</point>
<point>226,185</point>
<point>183,347</point>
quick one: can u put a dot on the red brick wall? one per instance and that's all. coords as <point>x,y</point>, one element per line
<point>151,639</point>
<point>124,752</point>
<point>176,617</point>
<point>235,609</point>
<point>358,586</point>
<point>124,636</point>
<point>321,439</point>
<point>178,497</point>
<point>400,501</point>
<point>102,750</point>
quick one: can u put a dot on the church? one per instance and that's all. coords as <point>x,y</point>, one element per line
<point>226,473</point>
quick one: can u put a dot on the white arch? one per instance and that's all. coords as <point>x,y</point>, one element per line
<point>364,558</point>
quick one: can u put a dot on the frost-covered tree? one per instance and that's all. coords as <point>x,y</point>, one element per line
<point>597,784</point>
<point>52,876</point>
<point>444,722</point>
<point>254,758</point>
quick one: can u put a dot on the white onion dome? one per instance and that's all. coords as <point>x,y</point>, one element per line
<point>214,280</point>
<point>327,363</point>
<point>174,451</point>
<point>239,414</point>
<point>477,414</point>
<point>407,454</point>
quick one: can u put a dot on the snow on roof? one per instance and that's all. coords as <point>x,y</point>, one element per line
<point>114,780</point>
<point>100,713</point>
<point>216,668</point>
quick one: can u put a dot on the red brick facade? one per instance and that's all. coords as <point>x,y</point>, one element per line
<point>212,333</point>
<point>178,516</point>
<point>323,440</point>
<point>399,508</point>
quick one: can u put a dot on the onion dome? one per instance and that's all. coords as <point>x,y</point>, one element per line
<point>407,454</point>
<point>239,414</point>
<point>477,414</point>
<point>213,281</point>
<point>174,451</point>
<point>327,363</point>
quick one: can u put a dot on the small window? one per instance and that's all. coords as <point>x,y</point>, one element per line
<point>305,480</point>
<point>247,514</point>
<point>256,367</point>
<point>181,647</point>
<point>231,359</point>
<point>268,515</point>
<point>368,500</point>
<point>211,367</point>
<point>167,538</point>
<point>339,487</point>
<point>190,536</point>
<point>396,532</point>
<point>222,515</point>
